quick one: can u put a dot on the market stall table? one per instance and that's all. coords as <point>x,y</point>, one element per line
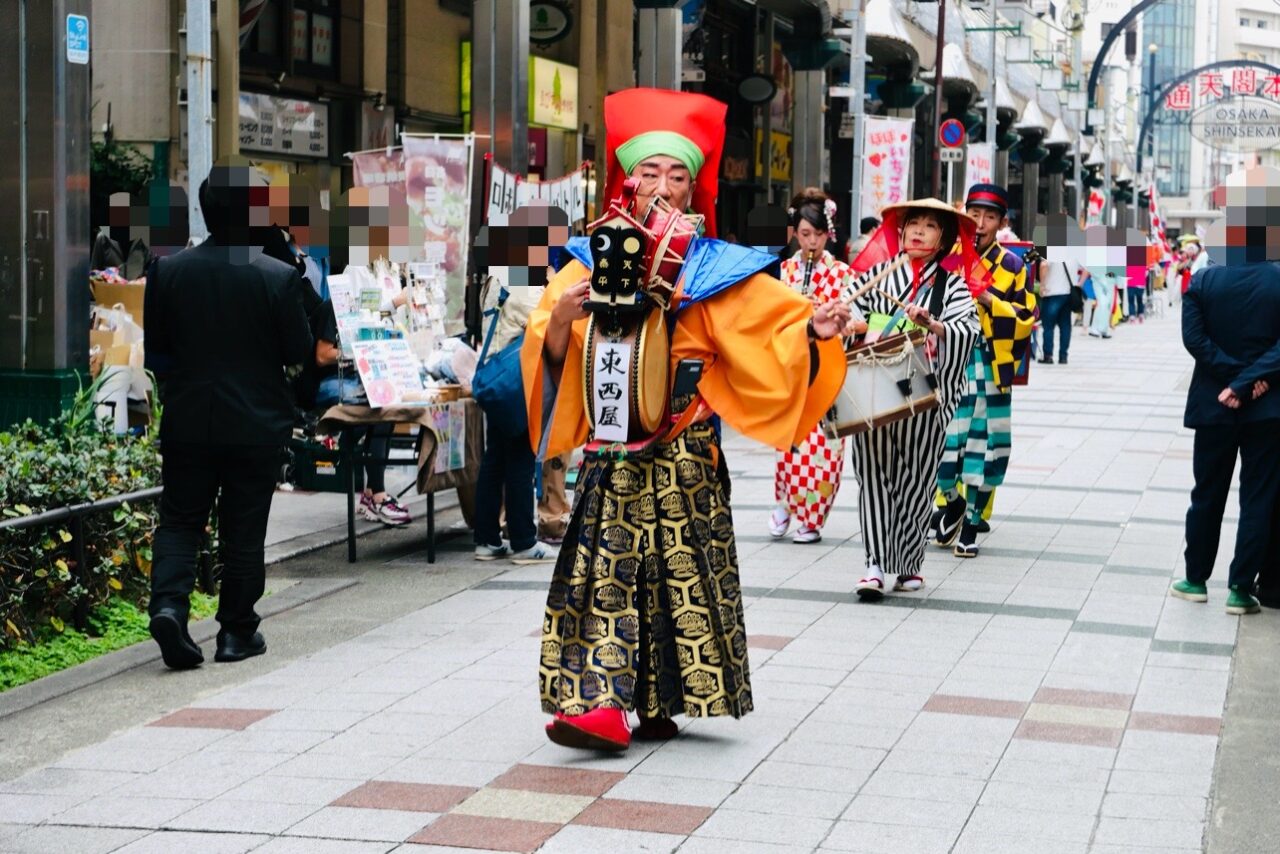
<point>431,440</point>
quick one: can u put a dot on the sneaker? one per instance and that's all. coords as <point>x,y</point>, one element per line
<point>805,535</point>
<point>367,509</point>
<point>389,512</point>
<point>537,553</point>
<point>492,552</point>
<point>1239,602</point>
<point>967,543</point>
<point>1190,592</point>
<point>871,587</point>
<point>779,522</point>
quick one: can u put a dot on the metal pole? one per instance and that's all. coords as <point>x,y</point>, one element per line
<point>937,98</point>
<point>1106,155</point>
<point>199,109</point>
<point>1077,63</point>
<point>857,106</point>
<point>991,89</point>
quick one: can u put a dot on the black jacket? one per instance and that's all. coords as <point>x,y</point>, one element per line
<point>1231,325</point>
<point>223,324</point>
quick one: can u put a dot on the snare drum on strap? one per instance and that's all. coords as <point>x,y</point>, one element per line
<point>888,380</point>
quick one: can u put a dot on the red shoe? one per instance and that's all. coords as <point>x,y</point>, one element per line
<point>656,729</point>
<point>598,729</point>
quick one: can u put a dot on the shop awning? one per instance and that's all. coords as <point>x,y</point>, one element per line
<point>957,77</point>
<point>888,40</point>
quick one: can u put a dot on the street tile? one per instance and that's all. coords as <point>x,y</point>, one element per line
<point>1024,771</point>
<point>210,718</point>
<point>883,810</point>
<point>755,641</point>
<point>1068,733</point>
<point>294,845</point>
<point>689,791</point>
<point>712,845</point>
<point>950,704</point>
<point>923,787</point>
<point>523,806</point>
<point>764,827</point>
<point>115,811</point>
<point>967,765</point>
<point>1085,699</point>
<point>1013,821</point>
<point>68,782</point>
<point>385,825</point>
<point>810,803</point>
<point>1163,807</point>
<point>645,816</point>
<point>418,797</point>
<point>888,838</point>
<point>1145,782</point>
<point>1077,715</point>
<point>577,840</point>
<point>790,775</point>
<point>1187,724</point>
<point>1152,833</point>
<point>331,766</point>
<point>279,789</point>
<point>557,781</point>
<point>1079,800</point>
<point>977,842</point>
<point>241,817</point>
<point>51,839</point>
<point>168,842</point>
<point>498,834</point>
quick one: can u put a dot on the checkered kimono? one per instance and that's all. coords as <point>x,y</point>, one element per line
<point>979,438</point>
<point>808,478</point>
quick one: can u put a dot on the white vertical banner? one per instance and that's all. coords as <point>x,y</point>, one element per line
<point>886,171</point>
<point>611,390</point>
<point>979,164</point>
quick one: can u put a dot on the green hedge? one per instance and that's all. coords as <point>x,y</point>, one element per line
<point>70,461</point>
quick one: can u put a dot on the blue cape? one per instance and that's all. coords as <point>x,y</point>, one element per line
<point>710,267</point>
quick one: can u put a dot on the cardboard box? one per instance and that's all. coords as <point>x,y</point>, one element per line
<point>129,295</point>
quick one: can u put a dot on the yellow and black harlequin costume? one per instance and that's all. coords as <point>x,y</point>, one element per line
<point>645,607</point>
<point>979,438</point>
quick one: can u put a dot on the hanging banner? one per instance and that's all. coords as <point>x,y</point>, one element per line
<point>1094,214</point>
<point>437,176</point>
<point>979,163</point>
<point>886,174</point>
<point>508,192</point>
<point>376,168</point>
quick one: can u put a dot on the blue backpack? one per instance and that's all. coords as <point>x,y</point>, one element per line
<point>498,387</point>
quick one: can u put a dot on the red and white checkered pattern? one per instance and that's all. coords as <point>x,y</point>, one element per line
<point>807,480</point>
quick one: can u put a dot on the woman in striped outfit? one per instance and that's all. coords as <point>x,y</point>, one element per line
<point>807,477</point>
<point>895,464</point>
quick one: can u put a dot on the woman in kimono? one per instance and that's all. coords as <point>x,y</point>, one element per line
<point>807,478</point>
<point>896,464</point>
<point>645,610</point>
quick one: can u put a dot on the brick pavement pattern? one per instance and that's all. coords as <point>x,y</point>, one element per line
<point>1046,697</point>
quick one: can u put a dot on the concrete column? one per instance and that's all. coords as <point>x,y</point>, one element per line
<point>807,141</point>
<point>1055,194</point>
<point>1001,176</point>
<point>227,128</point>
<point>659,36</point>
<point>500,81</point>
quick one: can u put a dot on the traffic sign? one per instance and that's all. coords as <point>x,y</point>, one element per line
<point>950,155</point>
<point>951,133</point>
<point>78,39</point>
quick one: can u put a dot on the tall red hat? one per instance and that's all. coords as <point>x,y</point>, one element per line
<point>691,123</point>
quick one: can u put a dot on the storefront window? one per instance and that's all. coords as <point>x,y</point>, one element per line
<point>314,33</point>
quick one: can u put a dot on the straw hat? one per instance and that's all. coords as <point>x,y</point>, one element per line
<point>923,204</point>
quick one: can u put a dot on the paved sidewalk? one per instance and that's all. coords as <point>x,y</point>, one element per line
<point>1047,697</point>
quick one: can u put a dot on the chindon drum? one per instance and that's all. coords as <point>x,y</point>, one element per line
<point>888,380</point>
<point>637,257</point>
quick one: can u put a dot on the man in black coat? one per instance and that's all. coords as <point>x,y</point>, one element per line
<point>224,323</point>
<point>1231,325</point>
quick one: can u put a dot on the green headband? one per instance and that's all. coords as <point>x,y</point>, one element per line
<point>634,151</point>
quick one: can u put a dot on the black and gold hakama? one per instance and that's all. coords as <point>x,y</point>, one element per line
<point>645,611</point>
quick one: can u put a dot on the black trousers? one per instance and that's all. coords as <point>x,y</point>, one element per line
<point>1213,463</point>
<point>243,478</point>
<point>506,478</point>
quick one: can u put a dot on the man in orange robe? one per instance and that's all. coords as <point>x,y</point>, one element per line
<point>645,608</point>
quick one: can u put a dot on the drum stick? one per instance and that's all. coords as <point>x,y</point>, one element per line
<point>891,298</point>
<point>879,277</point>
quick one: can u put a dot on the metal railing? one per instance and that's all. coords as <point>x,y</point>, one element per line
<point>74,515</point>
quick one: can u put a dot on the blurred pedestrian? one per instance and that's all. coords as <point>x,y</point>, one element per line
<point>1057,279</point>
<point>224,323</point>
<point>866,225</point>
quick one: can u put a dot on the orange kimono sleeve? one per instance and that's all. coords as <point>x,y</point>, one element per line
<point>557,420</point>
<point>758,373</point>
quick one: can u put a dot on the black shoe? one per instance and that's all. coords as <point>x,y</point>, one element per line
<point>1267,599</point>
<point>984,527</point>
<point>177,648</point>
<point>945,524</point>
<point>236,648</point>
<point>1062,360</point>
<point>1046,360</point>
<point>967,545</point>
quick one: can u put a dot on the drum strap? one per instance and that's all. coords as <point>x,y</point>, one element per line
<point>938,294</point>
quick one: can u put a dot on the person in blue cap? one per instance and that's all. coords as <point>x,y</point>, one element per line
<point>979,437</point>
